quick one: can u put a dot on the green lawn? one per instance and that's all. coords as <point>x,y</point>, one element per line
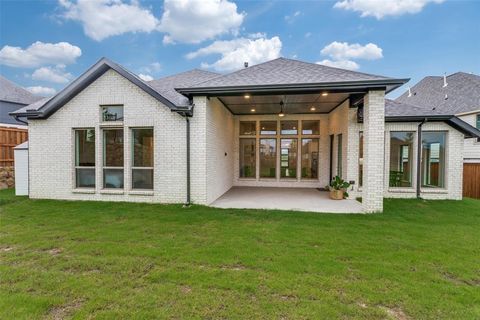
<point>59,259</point>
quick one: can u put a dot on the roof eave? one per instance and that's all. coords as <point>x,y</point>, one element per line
<point>388,84</point>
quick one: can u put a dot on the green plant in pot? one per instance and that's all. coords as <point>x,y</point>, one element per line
<point>338,188</point>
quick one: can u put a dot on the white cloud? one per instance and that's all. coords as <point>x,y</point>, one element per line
<point>153,67</point>
<point>52,74</point>
<point>41,91</point>
<point>39,54</point>
<point>308,35</point>
<point>344,50</point>
<point>382,8</point>
<point>291,18</point>
<point>235,52</point>
<point>193,21</point>
<point>145,77</point>
<point>105,18</point>
<point>343,64</point>
<point>342,54</point>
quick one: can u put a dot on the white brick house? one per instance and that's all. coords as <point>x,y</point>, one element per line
<point>193,136</point>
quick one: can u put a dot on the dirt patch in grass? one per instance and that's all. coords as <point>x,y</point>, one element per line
<point>235,267</point>
<point>185,289</point>
<point>6,249</point>
<point>454,279</point>
<point>395,313</point>
<point>64,311</point>
<point>55,251</point>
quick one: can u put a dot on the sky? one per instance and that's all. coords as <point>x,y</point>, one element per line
<point>46,44</point>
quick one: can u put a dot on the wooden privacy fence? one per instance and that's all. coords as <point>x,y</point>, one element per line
<point>471,180</point>
<point>10,138</point>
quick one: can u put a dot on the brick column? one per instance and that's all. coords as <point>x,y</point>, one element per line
<point>374,151</point>
<point>198,151</point>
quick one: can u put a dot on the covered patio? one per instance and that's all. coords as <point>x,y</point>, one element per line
<point>291,199</point>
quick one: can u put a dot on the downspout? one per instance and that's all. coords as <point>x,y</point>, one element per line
<point>187,118</point>
<point>419,156</point>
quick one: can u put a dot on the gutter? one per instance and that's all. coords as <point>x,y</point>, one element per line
<point>17,118</point>
<point>347,85</point>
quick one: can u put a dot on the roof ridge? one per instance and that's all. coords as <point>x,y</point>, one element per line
<point>185,72</point>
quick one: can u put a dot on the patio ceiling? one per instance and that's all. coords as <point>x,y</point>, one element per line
<point>314,103</point>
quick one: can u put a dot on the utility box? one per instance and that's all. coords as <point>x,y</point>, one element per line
<point>21,169</point>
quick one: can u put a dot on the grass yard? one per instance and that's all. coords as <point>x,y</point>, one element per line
<point>59,259</point>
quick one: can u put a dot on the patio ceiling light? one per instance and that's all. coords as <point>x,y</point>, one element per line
<point>324,94</point>
<point>252,110</point>
<point>313,109</point>
<point>281,114</point>
<point>246,96</point>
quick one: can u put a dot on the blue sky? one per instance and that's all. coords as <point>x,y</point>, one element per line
<point>45,44</point>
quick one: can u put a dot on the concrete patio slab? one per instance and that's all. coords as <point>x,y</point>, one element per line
<point>298,199</point>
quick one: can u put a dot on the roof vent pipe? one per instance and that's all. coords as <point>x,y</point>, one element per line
<point>245,64</point>
<point>409,92</point>
<point>445,80</point>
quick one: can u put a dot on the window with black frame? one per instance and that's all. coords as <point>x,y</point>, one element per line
<point>85,158</point>
<point>142,166</point>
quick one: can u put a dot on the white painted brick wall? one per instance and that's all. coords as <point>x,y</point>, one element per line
<point>374,148</point>
<point>51,144</point>
<point>220,155</point>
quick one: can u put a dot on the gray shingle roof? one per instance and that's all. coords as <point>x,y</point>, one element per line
<point>285,71</point>
<point>396,108</point>
<point>165,86</point>
<point>12,92</point>
<point>462,94</point>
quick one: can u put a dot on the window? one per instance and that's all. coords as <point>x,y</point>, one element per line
<point>310,127</point>
<point>112,113</point>
<point>85,158</point>
<point>248,128</point>
<point>360,159</point>
<point>289,127</point>
<point>310,158</point>
<point>113,158</point>
<point>401,152</point>
<point>247,158</point>
<point>142,166</point>
<point>478,125</point>
<point>268,158</point>
<point>268,127</point>
<point>288,158</point>
<point>433,159</point>
<point>339,155</point>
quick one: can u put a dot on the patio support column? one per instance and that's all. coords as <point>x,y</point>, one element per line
<point>374,151</point>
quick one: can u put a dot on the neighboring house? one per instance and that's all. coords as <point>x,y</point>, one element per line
<point>457,94</point>
<point>191,137</point>
<point>12,132</point>
<point>13,97</point>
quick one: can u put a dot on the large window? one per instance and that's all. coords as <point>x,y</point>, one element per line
<point>112,113</point>
<point>268,158</point>
<point>288,158</point>
<point>360,159</point>
<point>339,155</point>
<point>478,125</point>
<point>85,158</point>
<point>142,166</point>
<point>401,159</point>
<point>433,159</point>
<point>310,127</point>
<point>310,158</point>
<point>247,158</point>
<point>289,127</point>
<point>247,128</point>
<point>113,158</point>
<point>268,127</point>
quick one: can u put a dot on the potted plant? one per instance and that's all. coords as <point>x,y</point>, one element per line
<point>338,188</point>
